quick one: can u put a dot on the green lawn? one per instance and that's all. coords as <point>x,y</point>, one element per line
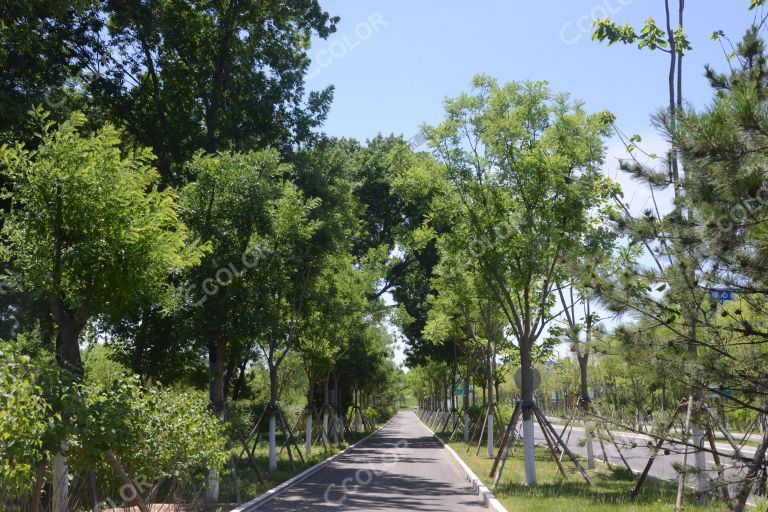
<point>610,492</point>
<point>748,444</point>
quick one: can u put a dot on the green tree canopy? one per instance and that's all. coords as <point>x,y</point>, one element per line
<point>88,229</point>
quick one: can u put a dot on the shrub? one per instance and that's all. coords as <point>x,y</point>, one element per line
<point>25,418</point>
<point>156,433</point>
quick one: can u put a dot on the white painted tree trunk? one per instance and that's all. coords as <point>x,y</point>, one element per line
<point>308,435</point>
<point>528,450</point>
<point>466,426</point>
<point>699,458</point>
<point>60,495</point>
<point>490,436</point>
<point>212,489</point>
<point>590,453</point>
<point>272,444</point>
<point>325,427</point>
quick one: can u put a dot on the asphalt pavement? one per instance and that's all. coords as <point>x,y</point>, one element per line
<point>401,467</point>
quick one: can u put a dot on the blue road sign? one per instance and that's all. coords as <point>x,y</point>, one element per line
<point>721,296</point>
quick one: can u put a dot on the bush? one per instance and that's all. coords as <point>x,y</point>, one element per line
<point>101,367</point>
<point>385,413</point>
<point>156,434</point>
<point>25,418</point>
<point>741,419</point>
<point>476,412</point>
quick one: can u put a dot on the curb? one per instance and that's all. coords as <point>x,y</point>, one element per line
<point>269,495</point>
<point>477,485</point>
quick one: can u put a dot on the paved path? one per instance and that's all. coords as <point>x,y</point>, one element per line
<point>401,467</point>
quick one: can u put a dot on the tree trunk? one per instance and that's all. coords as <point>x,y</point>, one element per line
<point>93,498</point>
<point>745,486</point>
<point>216,375</point>
<point>697,431</point>
<point>639,413</point>
<point>453,398</point>
<point>491,361</point>
<point>239,383</point>
<point>216,352</point>
<point>37,488</point>
<point>339,408</point>
<point>584,404</point>
<point>583,360</point>
<point>356,408</point>
<point>333,432</point>
<point>68,357</point>
<point>308,435</point>
<point>443,395</point>
<point>699,457</point>
<point>526,375</point>
<point>60,483</point>
<point>229,373</point>
<point>326,394</point>
<point>467,380</point>
<point>68,346</point>
<point>219,79</point>
<point>272,466</point>
<point>310,412</point>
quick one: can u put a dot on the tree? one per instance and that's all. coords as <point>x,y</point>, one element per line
<point>368,370</point>
<point>394,203</point>
<point>278,286</point>
<point>178,76</point>
<point>723,151</point>
<point>525,164</point>
<point>573,290</point>
<point>214,76</point>
<point>338,310</point>
<point>228,207</point>
<point>43,45</point>
<point>90,232</point>
<point>465,317</point>
<point>673,234</point>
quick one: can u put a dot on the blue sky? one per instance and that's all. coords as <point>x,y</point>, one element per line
<point>393,63</point>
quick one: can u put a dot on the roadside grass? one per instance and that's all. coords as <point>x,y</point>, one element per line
<point>748,443</point>
<point>610,492</point>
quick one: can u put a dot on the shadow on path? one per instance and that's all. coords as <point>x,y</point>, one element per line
<point>401,467</point>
